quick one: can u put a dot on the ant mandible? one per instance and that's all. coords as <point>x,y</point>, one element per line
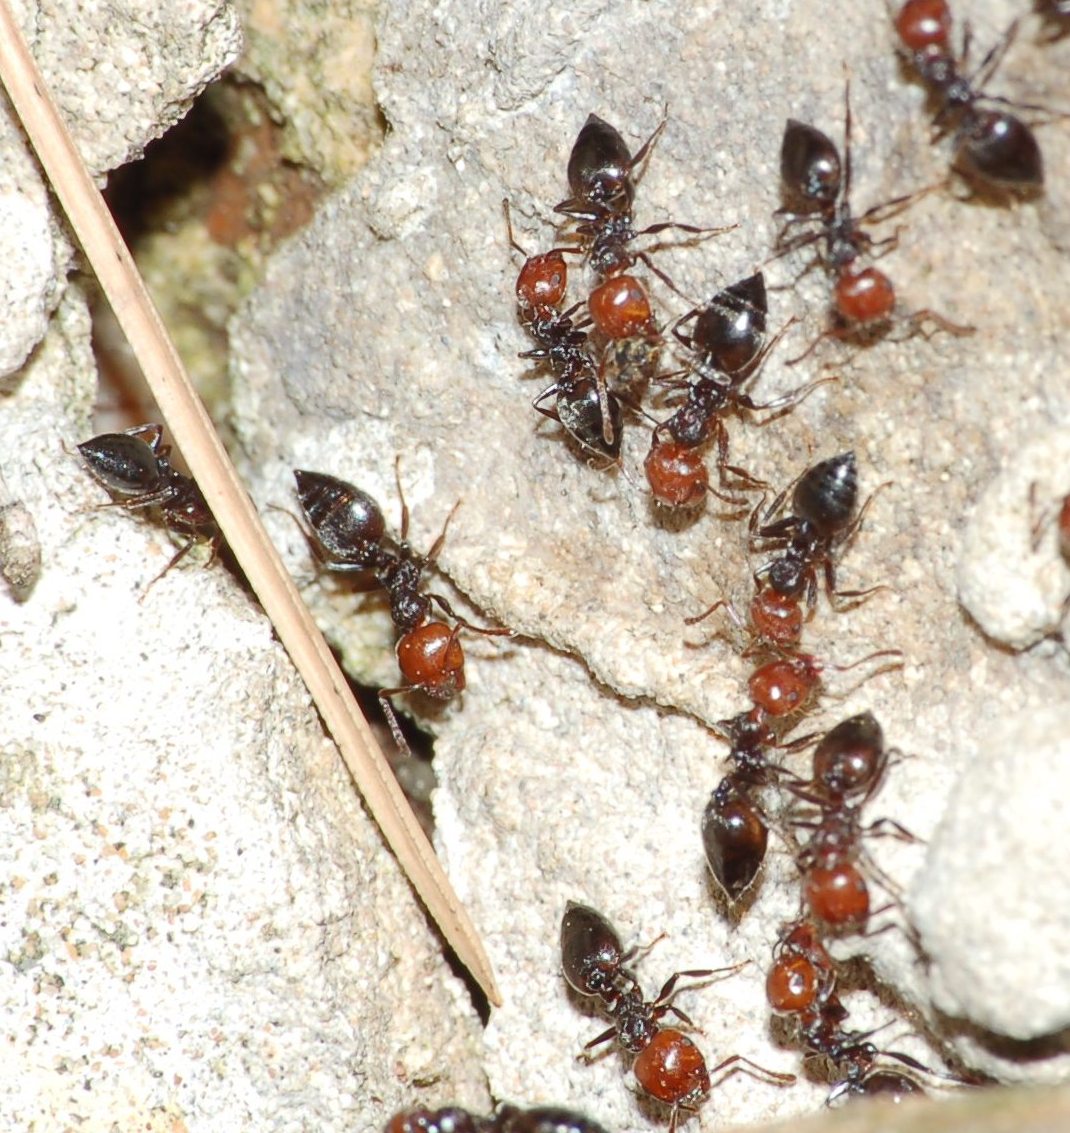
<point>135,468</point>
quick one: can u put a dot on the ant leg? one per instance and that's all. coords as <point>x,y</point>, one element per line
<point>889,828</point>
<point>441,540</point>
<point>585,1054</point>
<point>669,989</point>
<point>384,696</point>
<point>645,149</point>
<point>462,623</point>
<point>733,613</point>
<point>852,598</point>
<point>917,318</point>
<point>401,496</point>
<point>151,435</point>
<point>992,60</point>
<point>856,525</point>
<point>830,332</point>
<point>176,558</point>
<point>887,209</point>
<point>550,391</point>
<point>737,1061</point>
<point>602,388</point>
<point>786,402</point>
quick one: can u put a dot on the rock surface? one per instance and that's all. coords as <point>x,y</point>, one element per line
<point>201,926</point>
<point>578,766</point>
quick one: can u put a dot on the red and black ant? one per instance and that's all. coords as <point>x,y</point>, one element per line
<point>135,468</point>
<point>817,191</point>
<point>508,1119</point>
<point>735,831</point>
<point>824,518</point>
<point>801,984</point>
<point>589,413</point>
<point>727,346</point>
<point>666,1063</point>
<point>349,534</point>
<point>849,768</point>
<point>991,146</point>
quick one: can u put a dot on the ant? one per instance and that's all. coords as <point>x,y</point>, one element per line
<point>593,957</point>
<point>600,177</point>
<point>849,761</point>
<point>735,832</point>
<point>802,984</point>
<point>727,344</point>
<point>784,685</point>
<point>135,468</point>
<point>824,517</point>
<point>992,146</point>
<point>589,413</point>
<point>817,191</point>
<point>508,1119</point>
<point>802,974</point>
<point>666,1063</point>
<point>349,534</point>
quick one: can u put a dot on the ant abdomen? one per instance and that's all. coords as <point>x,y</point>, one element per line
<point>346,521</point>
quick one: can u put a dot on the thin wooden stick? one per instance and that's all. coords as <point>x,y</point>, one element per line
<point>237,518</point>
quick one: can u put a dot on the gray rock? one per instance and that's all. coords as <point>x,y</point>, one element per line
<point>388,328</point>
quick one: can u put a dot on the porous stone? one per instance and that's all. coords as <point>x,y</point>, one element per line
<point>121,74</point>
<point>1011,575</point>
<point>202,926</point>
<point>993,894</point>
<point>388,329</point>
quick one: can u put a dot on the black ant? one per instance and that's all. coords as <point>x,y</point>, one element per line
<point>824,518</point>
<point>349,535</point>
<point>135,468</point>
<point>817,190</point>
<point>992,146</point>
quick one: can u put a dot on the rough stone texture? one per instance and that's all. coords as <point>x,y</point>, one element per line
<point>388,328</point>
<point>314,60</point>
<point>121,73</point>
<point>1011,576</point>
<point>201,926</point>
<point>991,870</point>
